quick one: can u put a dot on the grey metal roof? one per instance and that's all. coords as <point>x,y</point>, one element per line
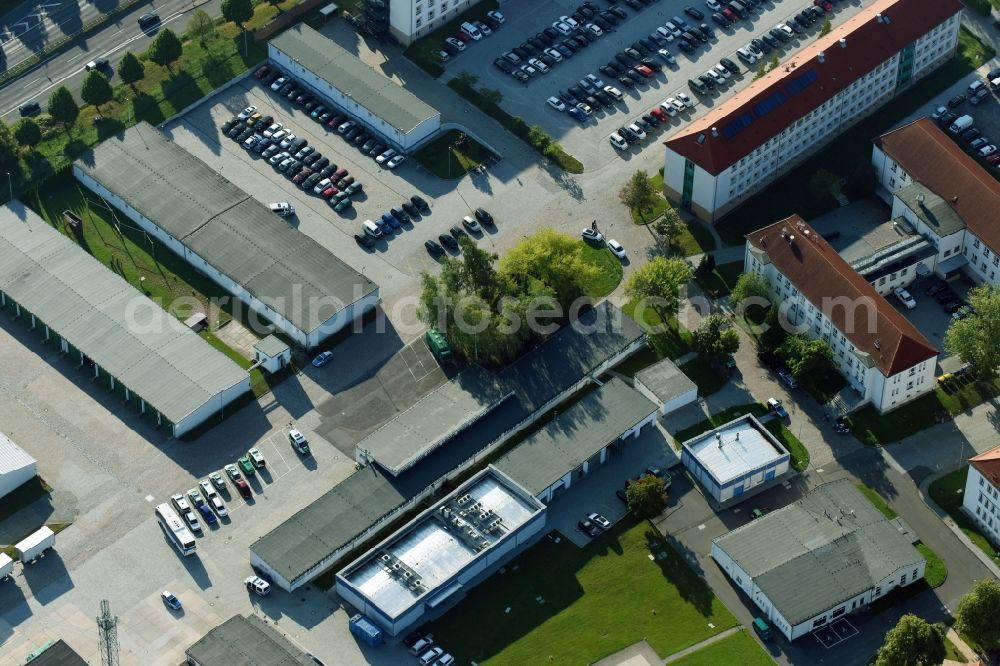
<point>434,419</point>
<point>934,211</point>
<point>665,380</point>
<point>102,315</point>
<point>371,89</point>
<point>58,654</point>
<point>246,641</point>
<point>286,269</point>
<point>12,456</point>
<point>271,346</point>
<point>893,258</point>
<point>829,546</point>
<point>575,435</point>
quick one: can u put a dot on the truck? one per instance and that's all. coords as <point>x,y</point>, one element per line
<point>438,346</point>
<point>6,567</point>
<point>366,630</point>
<point>961,124</point>
<point>32,546</point>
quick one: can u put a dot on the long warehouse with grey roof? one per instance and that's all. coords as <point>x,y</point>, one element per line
<point>278,272</point>
<point>110,329</point>
<point>366,95</point>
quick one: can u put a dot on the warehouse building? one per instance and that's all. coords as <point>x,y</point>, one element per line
<point>246,640</point>
<point>827,555</point>
<point>367,96</point>
<point>280,274</point>
<point>442,553</point>
<point>735,459</point>
<point>665,384</point>
<point>344,518</point>
<point>17,467</point>
<point>114,333</point>
<point>579,439</point>
<point>56,653</point>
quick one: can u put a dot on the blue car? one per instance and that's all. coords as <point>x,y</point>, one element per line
<point>577,114</point>
<point>388,218</point>
<point>207,514</point>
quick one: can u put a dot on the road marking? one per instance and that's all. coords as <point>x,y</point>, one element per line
<point>76,57</point>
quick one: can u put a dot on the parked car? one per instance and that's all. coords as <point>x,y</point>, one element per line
<point>257,585</point>
<point>775,406</point>
<point>171,601</point>
<point>246,466</point>
<point>787,377</point>
<point>616,249</point>
<point>257,458</point>
<point>592,235</point>
<point>322,359</point>
<point>298,441</point>
<point>905,298</point>
<point>589,528</point>
<point>599,520</point>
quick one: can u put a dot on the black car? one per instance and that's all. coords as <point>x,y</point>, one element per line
<point>626,81</point>
<point>236,129</point>
<point>624,59</point>
<point>566,46</point>
<point>605,98</point>
<point>265,122</point>
<point>634,4</point>
<point>645,126</point>
<point>565,51</point>
<point>610,17</point>
<point>448,241</point>
<point>720,19</point>
<point>628,135</point>
<point>552,32</point>
<point>261,146</point>
<point>484,217</point>
<point>947,119</point>
<point>148,20</point>
<point>771,41</point>
<point>971,134</point>
<point>730,65</point>
<point>520,53</point>
<point>805,16</point>
<point>801,20</point>
<point>694,13</point>
<point>419,202</point>
<point>566,98</point>
<point>593,102</point>
<point>780,35</point>
<point>400,215</point>
<point>816,13</point>
<point>651,120</point>
<point>410,209</point>
<point>686,46</point>
<point>578,42</point>
<point>321,164</point>
<point>587,527</point>
<point>579,93</point>
<point>760,46</point>
<point>545,39</point>
<point>794,27</point>
<point>636,76</point>
<point>547,59</point>
<point>956,101</point>
<point>448,48</point>
<point>538,44</point>
<point>618,11</point>
<point>302,98</point>
<point>311,159</point>
<point>245,134</point>
<point>229,124</point>
<point>635,54</point>
<point>641,48</point>
<point>616,67</point>
<point>491,22</point>
<point>602,23</point>
<point>649,44</point>
<point>652,64</point>
<point>707,80</point>
<point>529,48</point>
<point>584,36</point>
<point>286,88</point>
<point>364,240</point>
<point>310,182</point>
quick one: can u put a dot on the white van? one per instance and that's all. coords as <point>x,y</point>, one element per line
<point>282,208</point>
<point>371,229</point>
<point>472,31</point>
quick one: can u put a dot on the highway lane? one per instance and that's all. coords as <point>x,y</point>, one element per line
<point>111,42</point>
<point>26,28</point>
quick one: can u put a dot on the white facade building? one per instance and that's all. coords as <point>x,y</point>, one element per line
<point>410,20</point>
<point>879,352</point>
<point>17,467</point>
<point>981,500</point>
<point>749,140</point>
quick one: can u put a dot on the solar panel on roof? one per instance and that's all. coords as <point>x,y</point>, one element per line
<point>801,82</point>
<point>736,126</point>
<point>769,104</point>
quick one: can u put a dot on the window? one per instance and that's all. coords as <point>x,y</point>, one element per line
<point>837,613</point>
<point>902,579</point>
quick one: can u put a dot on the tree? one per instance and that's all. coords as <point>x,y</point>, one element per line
<point>556,260</point>
<point>715,338</point>
<point>775,62</point>
<point>62,106</point>
<point>805,357</point>
<point>165,49</point>
<point>826,28</point>
<point>131,69</point>
<point>822,183</point>
<point>538,138</point>
<point>491,95</point>
<point>761,70</point>
<point>976,337</point>
<point>912,642</point>
<point>750,285</point>
<point>647,496</point>
<point>978,611</point>
<point>638,194</point>
<point>95,89</point>
<point>670,226</point>
<point>466,79</point>
<point>659,280</point>
<point>237,11</point>
<point>27,133</point>
<point>200,26</point>
<point>8,147</point>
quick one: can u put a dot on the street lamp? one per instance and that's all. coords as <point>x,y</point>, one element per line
<point>10,183</point>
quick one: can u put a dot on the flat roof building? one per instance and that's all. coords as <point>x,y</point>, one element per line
<point>732,460</point>
<point>17,467</point>
<point>666,385</point>
<point>579,438</point>
<point>827,555</point>
<point>367,96</point>
<point>246,640</point>
<point>108,328</point>
<point>443,552</point>
<point>56,653</point>
<point>276,271</point>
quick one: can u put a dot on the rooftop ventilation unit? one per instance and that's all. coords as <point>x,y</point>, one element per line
<point>821,56</point>
<point>715,132</point>
<point>843,43</point>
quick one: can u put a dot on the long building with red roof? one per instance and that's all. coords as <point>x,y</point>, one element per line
<point>879,352</point>
<point>981,500</point>
<point>758,134</point>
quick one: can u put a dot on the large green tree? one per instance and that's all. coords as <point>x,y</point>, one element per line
<point>670,225</point>
<point>8,149</point>
<point>978,613</point>
<point>658,282</point>
<point>27,133</point>
<point>647,496</point>
<point>200,26</point>
<point>806,357</point>
<point>237,11</point>
<point>131,69</point>
<point>976,337</point>
<point>556,259</point>
<point>715,338</point>
<point>62,106</point>
<point>165,49</point>
<point>95,89</point>
<point>912,642</point>
<point>750,285</point>
<point>638,193</point>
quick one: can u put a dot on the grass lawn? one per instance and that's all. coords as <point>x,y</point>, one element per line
<point>853,150</point>
<point>715,420</point>
<point>597,600</point>
<point>824,386</point>
<point>935,573</point>
<point>721,280</point>
<point>442,158</point>
<point>647,216</point>
<point>705,375</point>
<point>665,340</point>
<point>947,492</point>
<point>952,653</point>
<point>22,496</point>
<point>610,270</point>
<point>695,239</point>
<point>740,648</point>
<point>797,450</point>
<point>877,500</point>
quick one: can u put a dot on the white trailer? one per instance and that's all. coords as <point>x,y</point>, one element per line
<point>6,566</point>
<point>34,545</point>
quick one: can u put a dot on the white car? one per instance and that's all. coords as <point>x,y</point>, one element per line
<point>530,71</point>
<point>274,160</point>
<point>556,103</point>
<point>472,31</point>
<point>208,489</point>
<point>585,108</point>
<point>938,112</point>
<point>287,141</point>
<point>669,109</point>
<point>444,660</point>
<point>668,56</point>
<point>666,34</point>
<point>723,72</point>
<point>457,43</point>
<point>594,29</point>
<point>616,249</point>
<point>570,21</point>
<point>638,131</point>
<point>677,104</point>
<point>299,441</point>
<point>714,5</point>
<point>269,132</point>
<point>599,520</point>
<point>385,156</point>
<point>986,151</point>
<point>555,55</point>
<point>320,186</point>
<point>614,92</point>
<point>685,100</point>
<point>280,82</point>
<point>905,298</point>
<point>496,16</point>
<point>279,135</point>
<point>617,141</point>
<point>563,28</point>
<point>429,657</point>
<point>592,235</point>
<point>282,208</point>
<point>345,127</point>
<point>247,112</point>
<point>785,29</point>
<point>257,585</point>
<point>539,65</point>
<point>219,506</point>
<point>715,76</point>
<point>395,161</point>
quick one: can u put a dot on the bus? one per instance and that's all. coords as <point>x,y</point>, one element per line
<point>175,528</point>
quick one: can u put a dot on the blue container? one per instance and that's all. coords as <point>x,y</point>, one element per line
<point>366,630</point>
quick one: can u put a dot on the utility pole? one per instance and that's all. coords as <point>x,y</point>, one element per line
<point>107,630</point>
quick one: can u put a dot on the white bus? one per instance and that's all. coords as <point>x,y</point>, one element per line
<point>175,528</point>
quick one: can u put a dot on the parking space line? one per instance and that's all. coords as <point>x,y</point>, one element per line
<point>275,446</point>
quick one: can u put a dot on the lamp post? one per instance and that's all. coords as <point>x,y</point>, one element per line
<point>10,184</point>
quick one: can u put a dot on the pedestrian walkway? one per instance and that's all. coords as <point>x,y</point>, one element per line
<point>970,655</point>
<point>641,654</point>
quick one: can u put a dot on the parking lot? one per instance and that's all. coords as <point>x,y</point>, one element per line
<point>589,141</point>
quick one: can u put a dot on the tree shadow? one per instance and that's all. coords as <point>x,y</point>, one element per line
<point>147,108</point>
<point>216,70</point>
<point>565,180</point>
<point>680,567</point>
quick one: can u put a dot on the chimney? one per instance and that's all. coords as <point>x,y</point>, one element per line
<point>920,198</point>
<point>954,200</point>
<point>715,132</point>
<point>878,18</point>
<point>821,57</point>
<point>843,43</point>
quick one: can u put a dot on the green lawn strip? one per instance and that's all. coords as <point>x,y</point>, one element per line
<point>609,271</point>
<point>798,450</point>
<point>649,215</point>
<point>739,648</point>
<point>597,600</point>
<point>22,496</point>
<point>442,158</point>
<point>665,341</point>
<point>947,492</point>
<point>258,382</point>
<point>722,279</point>
<point>935,573</point>
<point>823,387</point>
<point>952,653</point>
<point>877,500</point>
<point>790,194</point>
<point>695,239</point>
<point>720,418</point>
<point>705,375</point>
<point>424,51</point>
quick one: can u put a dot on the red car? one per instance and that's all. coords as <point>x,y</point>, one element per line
<point>302,175</point>
<point>329,192</point>
<point>244,489</point>
<point>824,5</point>
<point>659,114</point>
<point>645,71</point>
<point>462,36</point>
<point>728,13</point>
<point>338,174</point>
<point>262,72</point>
<point>336,121</point>
<point>994,158</point>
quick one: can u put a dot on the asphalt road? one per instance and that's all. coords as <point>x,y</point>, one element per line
<point>67,66</point>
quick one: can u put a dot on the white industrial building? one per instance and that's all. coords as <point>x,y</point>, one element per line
<point>981,500</point>
<point>112,332</point>
<point>279,273</point>
<point>441,554</point>
<point>367,96</point>
<point>665,384</point>
<point>825,556</point>
<point>749,140</point>
<point>883,356</point>
<point>17,467</point>
<point>731,461</point>
<point>410,20</point>
<point>945,196</point>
